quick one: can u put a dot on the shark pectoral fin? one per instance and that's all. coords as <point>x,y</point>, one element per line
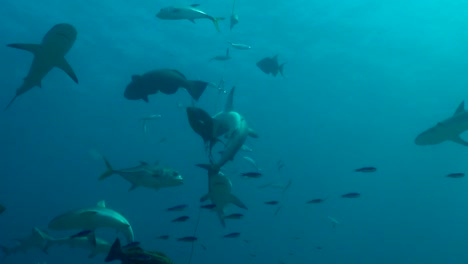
<point>237,201</point>
<point>33,48</point>
<point>459,140</point>
<point>64,66</point>
<point>252,133</point>
<point>145,98</point>
<point>192,20</point>
<point>460,108</point>
<point>205,197</point>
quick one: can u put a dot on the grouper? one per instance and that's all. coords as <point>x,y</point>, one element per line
<point>166,81</point>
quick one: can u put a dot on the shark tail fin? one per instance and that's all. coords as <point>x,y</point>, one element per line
<point>12,100</point>
<point>109,170</point>
<point>115,253</point>
<point>196,89</point>
<point>280,68</point>
<point>216,22</point>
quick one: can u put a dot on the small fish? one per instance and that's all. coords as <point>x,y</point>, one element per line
<point>272,202</point>
<point>2,208</point>
<point>240,46</point>
<point>270,65</point>
<point>246,148</point>
<point>163,237</point>
<point>208,206</point>
<point>232,235</point>
<point>177,208</point>
<point>351,195</point>
<point>187,12</point>
<point>151,117</point>
<point>181,219</point>
<point>366,169</point>
<point>234,216</point>
<point>280,164</point>
<point>319,247</point>
<point>187,239</point>
<point>148,118</point>
<point>334,221</point>
<point>456,175</point>
<point>234,16</point>
<point>222,57</point>
<point>252,162</point>
<point>316,201</point>
<point>251,174</point>
<point>131,245</point>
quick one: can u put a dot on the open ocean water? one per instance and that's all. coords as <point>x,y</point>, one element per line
<point>362,79</point>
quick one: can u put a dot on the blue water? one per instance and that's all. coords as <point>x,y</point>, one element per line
<point>363,78</point>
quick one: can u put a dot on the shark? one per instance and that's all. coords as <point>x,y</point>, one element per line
<point>220,194</point>
<point>147,175</point>
<point>229,123</point>
<point>446,130</point>
<point>101,247</point>
<point>37,239</point>
<point>92,218</point>
<point>50,53</point>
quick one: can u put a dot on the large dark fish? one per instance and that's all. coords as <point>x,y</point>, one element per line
<point>270,65</point>
<point>135,255</point>
<point>166,81</point>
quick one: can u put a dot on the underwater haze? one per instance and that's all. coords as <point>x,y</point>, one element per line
<point>362,79</point>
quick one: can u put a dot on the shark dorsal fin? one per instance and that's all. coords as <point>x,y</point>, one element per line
<point>460,109</point>
<point>229,102</point>
<point>101,204</point>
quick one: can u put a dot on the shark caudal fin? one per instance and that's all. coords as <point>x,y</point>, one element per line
<point>115,253</point>
<point>109,171</point>
<point>196,89</point>
<point>280,68</point>
<point>216,22</point>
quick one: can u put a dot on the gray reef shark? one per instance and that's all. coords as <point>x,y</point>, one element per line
<point>37,239</point>
<point>101,247</point>
<point>47,55</point>
<point>228,123</point>
<point>220,194</point>
<point>92,218</point>
<point>147,175</point>
<point>446,130</point>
